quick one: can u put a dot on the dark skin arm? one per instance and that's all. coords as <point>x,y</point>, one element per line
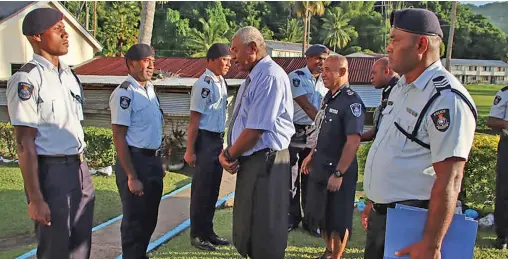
<point>347,157</point>
<point>247,140</point>
<point>443,200</point>
<point>307,107</point>
<point>368,135</point>
<point>497,124</point>
<point>38,209</point>
<point>122,149</point>
<point>192,135</point>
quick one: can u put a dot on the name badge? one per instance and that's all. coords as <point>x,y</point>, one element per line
<point>332,110</point>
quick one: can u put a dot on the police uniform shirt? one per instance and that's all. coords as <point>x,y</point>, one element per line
<point>49,99</point>
<point>137,108</point>
<point>500,106</point>
<point>304,83</point>
<point>267,105</point>
<point>384,100</point>
<point>341,114</point>
<point>399,169</point>
<point>209,97</point>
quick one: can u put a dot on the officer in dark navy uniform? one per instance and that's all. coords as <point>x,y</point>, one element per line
<point>332,165</point>
<point>205,139</point>
<point>137,122</point>
<point>45,104</point>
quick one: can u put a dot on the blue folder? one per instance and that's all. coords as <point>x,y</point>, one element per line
<point>405,225</point>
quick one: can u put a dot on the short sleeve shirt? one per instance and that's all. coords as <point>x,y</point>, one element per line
<point>304,83</point>
<point>49,99</point>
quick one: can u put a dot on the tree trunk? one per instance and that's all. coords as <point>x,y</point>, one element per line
<point>87,16</point>
<point>450,37</point>
<point>146,26</point>
<point>308,29</point>
<point>95,18</point>
<point>304,34</point>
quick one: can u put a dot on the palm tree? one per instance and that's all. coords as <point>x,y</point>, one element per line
<point>336,29</point>
<point>201,41</point>
<point>146,25</point>
<point>293,31</point>
<point>307,9</point>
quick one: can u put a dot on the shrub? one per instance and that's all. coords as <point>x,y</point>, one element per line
<point>100,151</point>
<point>361,154</point>
<point>7,141</point>
<point>479,183</point>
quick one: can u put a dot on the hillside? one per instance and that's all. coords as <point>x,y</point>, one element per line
<point>497,12</point>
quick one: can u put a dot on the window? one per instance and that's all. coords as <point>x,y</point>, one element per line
<point>15,68</point>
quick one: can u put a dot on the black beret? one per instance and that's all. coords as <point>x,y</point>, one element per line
<point>417,21</point>
<point>316,49</point>
<point>39,20</point>
<point>218,50</point>
<point>139,51</point>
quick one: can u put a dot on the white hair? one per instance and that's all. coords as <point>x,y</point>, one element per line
<point>250,34</point>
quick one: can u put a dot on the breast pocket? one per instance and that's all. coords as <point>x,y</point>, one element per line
<point>51,110</point>
<point>407,122</point>
<point>76,104</point>
<point>142,114</point>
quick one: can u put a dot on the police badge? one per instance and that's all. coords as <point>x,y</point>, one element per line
<point>296,82</point>
<point>497,99</point>
<point>25,91</point>
<point>205,92</point>
<point>441,119</point>
<point>125,102</point>
<point>356,109</point>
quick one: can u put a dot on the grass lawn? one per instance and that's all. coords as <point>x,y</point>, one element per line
<point>300,244</point>
<point>16,225</point>
<point>483,96</point>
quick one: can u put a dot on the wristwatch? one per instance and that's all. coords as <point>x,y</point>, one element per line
<point>338,174</point>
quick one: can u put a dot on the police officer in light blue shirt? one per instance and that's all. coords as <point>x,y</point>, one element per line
<point>258,138</point>
<point>205,139</point>
<point>308,91</point>
<point>45,104</point>
<point>137,122</point>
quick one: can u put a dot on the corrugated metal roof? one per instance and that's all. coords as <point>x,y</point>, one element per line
<point>359,68</point>
<point>371,96</point>
<point>174,81</point>
<point>477,62</point>
<point>281,45</point>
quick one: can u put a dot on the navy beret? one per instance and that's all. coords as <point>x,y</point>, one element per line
<point>417,21</point>
<point>218,50</point>
<point>139,51</point>
<point>39,20</point>
<point>316,49</point>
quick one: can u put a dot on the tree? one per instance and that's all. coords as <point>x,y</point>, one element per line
<point>119,27</point>
<point>307,9</point>
<point>336,31</point>
<point>292,32</point>
<point>170,34</point>
<point>146,25</point>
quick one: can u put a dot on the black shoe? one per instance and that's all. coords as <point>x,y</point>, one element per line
<point>292,227</point>
<point>202,244</point>
<point>501,243</point>
<point>218,241</point>
<point>313,232</point>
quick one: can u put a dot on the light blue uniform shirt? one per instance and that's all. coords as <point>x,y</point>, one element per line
<point>304,83</point>
<point>49,99</point>
<point>137,108</point>
<point>209,97</point>
<point>267,104</point>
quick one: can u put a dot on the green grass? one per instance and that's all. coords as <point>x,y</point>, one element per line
<point>14,220</point>
<point>483,96</point>
<point>300,244</point>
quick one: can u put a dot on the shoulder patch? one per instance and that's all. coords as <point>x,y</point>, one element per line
<point>125,85</point>
<point>356,109</point>
<point>27,67</point>
<point>205,92</point>
<point>441,119</point>
<point>440,81</point>
<point>25,90</point>
<point>208,79</point>
<point>296,82</point>
<point>125,102</point>
<point>350,92</point>
<point>299,72</point>
<point>504,88</point>
<point>497,99</point>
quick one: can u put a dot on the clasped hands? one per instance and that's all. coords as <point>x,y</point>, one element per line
<point>229,164</point>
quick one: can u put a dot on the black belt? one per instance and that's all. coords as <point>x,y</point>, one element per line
<point>61,158</point>
<point>382,208</point>
<point>144,151</point>
<point>301,126</point>
<point>212,134</point>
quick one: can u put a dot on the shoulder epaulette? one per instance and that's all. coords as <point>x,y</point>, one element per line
<point>504,88</point>
<point>441,83</point>
<point>299,72</point>
<point>125,85</point>
<point>27,67</point>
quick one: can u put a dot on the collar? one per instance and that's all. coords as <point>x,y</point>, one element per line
<point>309,74</point>
<point>209,73</point>
<point>424,78</point>
<point>46,64</point>
<point>391,84</point>
<point>259,66</point>
<point>136,84</point>
<point>329,94</point>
